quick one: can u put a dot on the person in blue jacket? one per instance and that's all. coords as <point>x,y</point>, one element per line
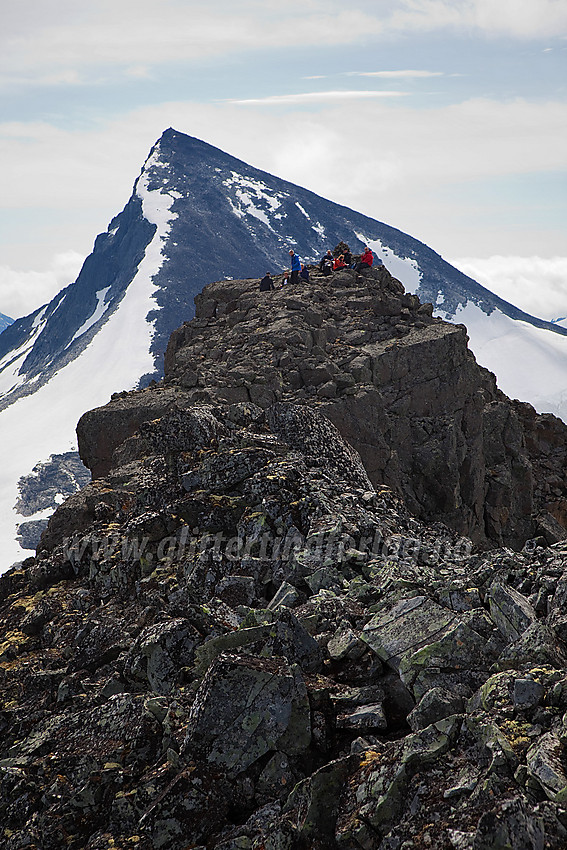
<point>295,266</point>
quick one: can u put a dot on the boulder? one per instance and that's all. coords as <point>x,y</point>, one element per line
<point>511,611</point>
<point>246,707</point>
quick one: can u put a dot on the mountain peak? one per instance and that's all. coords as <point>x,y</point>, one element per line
<point>198,215</point>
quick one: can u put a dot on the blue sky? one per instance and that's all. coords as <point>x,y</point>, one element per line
<point>445,119</point>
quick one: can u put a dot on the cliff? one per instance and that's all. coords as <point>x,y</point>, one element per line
<point>263,624</point>
<point>402,388</point>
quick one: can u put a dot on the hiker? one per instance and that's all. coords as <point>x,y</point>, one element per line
<point>285,280</point>
<point>339,263</point>
<point>266,284</point>
<point>295,266</point>
<point>326,264</point>
<point>347,256</point>
<point>366,260</point>
<point>304,274</point>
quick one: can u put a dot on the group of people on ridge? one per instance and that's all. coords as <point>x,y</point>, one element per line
<point>327,265</point>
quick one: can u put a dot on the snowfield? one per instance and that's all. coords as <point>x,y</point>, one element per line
<point>530,363</point>
<point>42,424</point>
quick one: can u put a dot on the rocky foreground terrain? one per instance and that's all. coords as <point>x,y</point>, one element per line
<point>314,597</point>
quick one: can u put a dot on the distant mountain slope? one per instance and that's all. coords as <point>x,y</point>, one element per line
<point>196,215</point>
<point>5,321</point>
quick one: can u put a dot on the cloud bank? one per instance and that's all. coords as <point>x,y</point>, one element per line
<point>537,285</point>
<point>22,292</point>
<point>61,42</point>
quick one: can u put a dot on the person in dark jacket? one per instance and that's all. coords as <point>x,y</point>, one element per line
<point>295,266</point>
<point>266,284</point>
<point>304,274</point>
<point>366,260</point>
<point>326,263</point>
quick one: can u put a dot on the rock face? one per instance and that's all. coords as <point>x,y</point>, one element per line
<point>402,388</point>
<point>238,636</point>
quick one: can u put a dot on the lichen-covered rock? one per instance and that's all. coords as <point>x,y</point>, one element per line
<point>246,707</point>
<point>400,386</point>
<point>547,763</point>
<point>509,824</point>
<point>511,611</point>
<point>160,652</point>
<point>410,624</point>
<point>319,440</point>
<point>377,790</point>
<point>429,646</point>
<point>537,646</point>
<point>434,705</point>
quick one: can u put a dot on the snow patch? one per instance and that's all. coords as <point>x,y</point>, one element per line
<point>97,313</point>
<point>404,269</point>
<point>11,363</point>
<point>40,317</point>
<point>253,198</point>
<point>301,210</point>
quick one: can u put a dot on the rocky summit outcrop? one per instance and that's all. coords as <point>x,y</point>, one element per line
<point>402,388</point>
<point>239,637</point>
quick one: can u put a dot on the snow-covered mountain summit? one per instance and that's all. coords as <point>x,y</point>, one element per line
<point>198,215</point>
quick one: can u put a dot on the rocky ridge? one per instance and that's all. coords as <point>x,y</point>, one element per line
<point>402,388</point>
<point>238,636</point>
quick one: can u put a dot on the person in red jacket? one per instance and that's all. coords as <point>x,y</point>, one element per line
<point>339,263</point>
<point>366,260</point>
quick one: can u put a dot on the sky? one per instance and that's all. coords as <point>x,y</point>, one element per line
<point>444,118</point>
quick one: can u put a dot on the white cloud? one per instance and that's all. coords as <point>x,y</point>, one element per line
<point>22,292</point>
<point>403,74</point>
<point>118,33</point>
<point>521,19</point>
<point>315,97</point>
<point>537,285</point>
<point>64,42</point>
<point>524,19</point>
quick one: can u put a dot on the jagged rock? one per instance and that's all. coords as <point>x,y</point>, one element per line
<point>313,802</point>
<point>246,707</point>
<point>538,646</point>
<point>319,440</point>
<point>511,611</point>
<point>48,484</point>
<point>286,597</point>
<point>527,693</point>
<point>429,646</point>
<point>365,718</point>
<point>282,637</point>
<point>509,825</point>
<point>557,617</point>
<point>434,705</point>
<point>380,784</point>
<point>345,644</point>
<point>546,764</point>
<point>400,386</point>
<point>159,653</point>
